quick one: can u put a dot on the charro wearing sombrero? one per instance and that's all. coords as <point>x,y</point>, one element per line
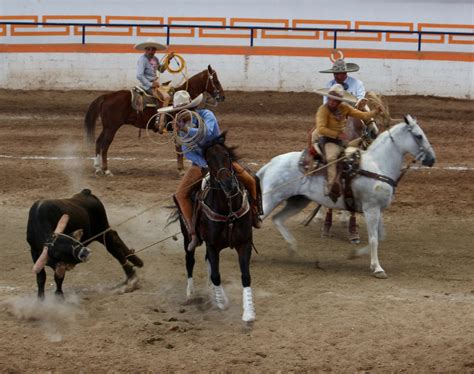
<point>329,133</point>
<point>350,84</point>
<point>186,125</point>
<point>147,66</point>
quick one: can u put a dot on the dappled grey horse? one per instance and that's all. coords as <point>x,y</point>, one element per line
<point>373,188</point>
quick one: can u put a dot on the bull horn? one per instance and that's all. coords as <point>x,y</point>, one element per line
<point>333,59</point>
<point>62,223</point>
<point>41,261</point>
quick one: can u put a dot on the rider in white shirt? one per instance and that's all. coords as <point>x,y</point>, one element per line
<point>352,85</point>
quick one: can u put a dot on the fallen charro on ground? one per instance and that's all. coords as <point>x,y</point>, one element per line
<point>316,311</point>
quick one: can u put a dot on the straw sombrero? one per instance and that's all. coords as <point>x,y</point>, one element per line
<point>150,43</point>
<point>340,66</point>
<point>182,100</point>
<point>336,91</point>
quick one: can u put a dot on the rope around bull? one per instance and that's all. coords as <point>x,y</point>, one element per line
<point>110,228</point>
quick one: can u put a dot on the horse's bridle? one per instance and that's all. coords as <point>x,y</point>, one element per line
<point>210,81</point>
<point>416,137</point>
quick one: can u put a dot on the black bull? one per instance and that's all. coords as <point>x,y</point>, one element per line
<point>79,218</point>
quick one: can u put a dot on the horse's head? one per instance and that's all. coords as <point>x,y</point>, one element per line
<point>420,146</point>
<point>219,160</point>
<point>213,86</point>
<point>408,137</point>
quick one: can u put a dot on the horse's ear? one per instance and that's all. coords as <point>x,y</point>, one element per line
<point>209,69</point>
<point>409,119</point>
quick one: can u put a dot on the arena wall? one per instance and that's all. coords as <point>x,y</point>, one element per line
<point>54,57</point>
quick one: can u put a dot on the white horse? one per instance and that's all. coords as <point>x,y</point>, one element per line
<point>282,181</point>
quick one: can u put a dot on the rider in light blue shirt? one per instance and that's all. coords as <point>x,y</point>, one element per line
<point>186,123</point>
<point>212,131</point>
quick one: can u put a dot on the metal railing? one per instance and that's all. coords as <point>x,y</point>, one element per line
<point>251,29</point>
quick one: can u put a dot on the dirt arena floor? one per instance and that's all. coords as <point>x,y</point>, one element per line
<point>318,311</point>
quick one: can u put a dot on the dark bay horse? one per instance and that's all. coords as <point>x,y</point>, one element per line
<point>115,109</point>
<point>223,220</point>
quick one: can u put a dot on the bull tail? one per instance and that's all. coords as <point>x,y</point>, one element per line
<point>91,118</point>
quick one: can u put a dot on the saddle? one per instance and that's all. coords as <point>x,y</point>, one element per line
<point>141,99</point>
<point>311,161</point>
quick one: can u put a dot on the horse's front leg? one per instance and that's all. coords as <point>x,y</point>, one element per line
<point>326,230</point>
<point>179,158</point>
<point>98,154</point>
<point>353,228</point>
<point>107,140</point>
<point>372,218</point>
<point>218,292</point>
<point>190,261</point>
<point>244,252</point>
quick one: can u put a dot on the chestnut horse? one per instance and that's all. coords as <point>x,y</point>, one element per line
<point>115,109</point>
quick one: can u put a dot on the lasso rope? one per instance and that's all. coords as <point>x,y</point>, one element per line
<point>195,120</point>
<point>181,69</point>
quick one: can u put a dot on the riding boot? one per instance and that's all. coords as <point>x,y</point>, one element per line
<point>183,199</point>
<point>161,118</point>
<point>256,219</point>
<point>334,192</point>
<point>251,185</point>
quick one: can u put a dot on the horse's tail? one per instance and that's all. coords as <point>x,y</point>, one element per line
<point>91,118</point>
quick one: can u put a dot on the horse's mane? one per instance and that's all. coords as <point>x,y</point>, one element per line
<point>384,135</point>
<point>220,140</point>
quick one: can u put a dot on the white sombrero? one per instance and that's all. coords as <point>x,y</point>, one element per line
<point>182,100</point>
<point>336,91</point>
<point>150,43</point>
<point>340,66</point>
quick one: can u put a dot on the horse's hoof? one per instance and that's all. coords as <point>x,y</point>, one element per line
<point>220,297</point>
<point>326,232</point>
<point>380,275</point>
<point>248,316</point>
<point>354,239</point>
<point>181,172</point>
<point>108,173</point>
<point>99,172</point>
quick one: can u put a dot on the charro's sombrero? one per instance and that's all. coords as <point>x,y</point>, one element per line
<point>149,43</point>
<point>336,91</point>
<point>340,66</point>
<point>181,100</point>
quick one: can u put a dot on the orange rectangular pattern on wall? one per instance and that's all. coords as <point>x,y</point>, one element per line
<point>389,37</point>
<point>3,28</point>
<point>265,34</point>
<point>67,18</point>
<point>452,39</point>
<point>182,31</point>
<point>143,30</point>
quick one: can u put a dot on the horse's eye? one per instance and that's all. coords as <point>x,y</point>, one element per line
<point>419,137</point>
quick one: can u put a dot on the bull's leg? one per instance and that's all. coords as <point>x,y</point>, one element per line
<point>41,281</point>
<point>354,236</point>
<point>117,248</point>
<point>326,230</point>
<point>218,291</point>
<point>59,279</point>
<point>245,252</point>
